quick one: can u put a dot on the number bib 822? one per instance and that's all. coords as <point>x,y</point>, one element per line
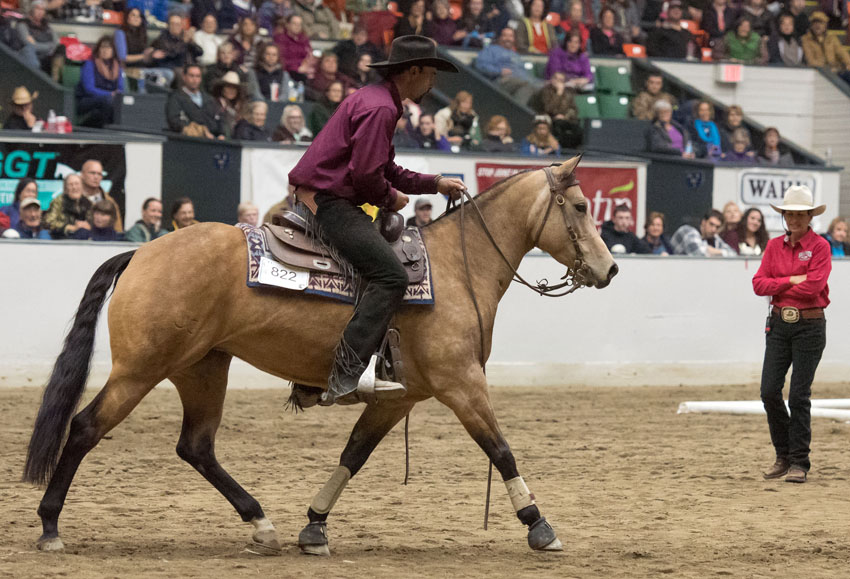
<point>285,276</point>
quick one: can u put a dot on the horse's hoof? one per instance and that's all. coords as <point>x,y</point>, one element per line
<point>51,544</point>
<point>313,539</point>
<point>541,536</point>
<point>266,542</point>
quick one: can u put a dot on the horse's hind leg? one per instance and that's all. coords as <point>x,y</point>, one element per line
<point>375,422</point>
<point>472,407</point>
<point>202,388</point>
<point>111,405</point>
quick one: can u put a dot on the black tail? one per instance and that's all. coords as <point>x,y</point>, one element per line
<point>68,380</point>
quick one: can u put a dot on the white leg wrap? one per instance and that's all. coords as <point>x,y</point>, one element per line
<point>520,496</point>
<point>327,497</point>
<point>262,524</point>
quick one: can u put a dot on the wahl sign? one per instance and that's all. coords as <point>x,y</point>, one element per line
<point>761,187</point>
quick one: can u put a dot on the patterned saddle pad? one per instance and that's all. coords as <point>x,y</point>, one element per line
<point>265,271</point>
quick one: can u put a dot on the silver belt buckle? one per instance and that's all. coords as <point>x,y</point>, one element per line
<point>790,315</point>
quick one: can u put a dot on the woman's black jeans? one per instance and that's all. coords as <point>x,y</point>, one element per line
<point>383,280</point>
<point>800,344</point>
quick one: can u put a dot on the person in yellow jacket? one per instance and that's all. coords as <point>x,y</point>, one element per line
<point>534,34</point>
<point>824,51</point>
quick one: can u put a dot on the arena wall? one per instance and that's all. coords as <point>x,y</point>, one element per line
<point>663,321</point>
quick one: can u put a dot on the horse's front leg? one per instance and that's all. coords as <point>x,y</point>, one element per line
<point>471,405</point>
<point>375,422</point>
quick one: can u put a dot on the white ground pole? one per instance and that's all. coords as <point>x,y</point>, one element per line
<point>835,408</point>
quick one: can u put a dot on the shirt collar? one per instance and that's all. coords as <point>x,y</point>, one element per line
<point>803,240</point>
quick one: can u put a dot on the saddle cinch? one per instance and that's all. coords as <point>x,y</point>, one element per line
<point>289,244</point>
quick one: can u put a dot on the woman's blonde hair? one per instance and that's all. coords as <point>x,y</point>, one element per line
<point>496,120</point>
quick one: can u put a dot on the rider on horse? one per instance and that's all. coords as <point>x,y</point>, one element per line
<point>351,162</point>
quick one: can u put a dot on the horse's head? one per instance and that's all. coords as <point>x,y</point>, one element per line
<point>561,224</point>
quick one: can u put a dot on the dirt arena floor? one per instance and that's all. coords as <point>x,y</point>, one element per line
<point>633,489</point>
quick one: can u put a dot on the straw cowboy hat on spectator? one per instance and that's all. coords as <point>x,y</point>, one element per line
<point>799,198</point>
<point>22,96</point>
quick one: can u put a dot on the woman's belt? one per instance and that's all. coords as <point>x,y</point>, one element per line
<point>792,315</point>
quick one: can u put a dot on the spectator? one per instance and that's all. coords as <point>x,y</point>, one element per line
<point>30,226</point>
<point>131,45</point>
<point>319,20</point>
<point>175,48</point>
<point>734,121</point>
<point>365,74</point>
<point>10,38</point>
<point>836,235</point>
<point>271,11</point>
<point>251,127</point>
<point>348,52</point>
<point>102,223</point>
<point>25,189</point>
<point>92,176</point>
<point>209,41</point>
<point>441,27</point>
<point>327,73</point>
<point>225,63</point>
<point>575,22</point>
<point>604,40</point>
<point>705,242</point>
<point>326,107</point>
<point>749,236</point>
<point>824,50</point>
<point>534,34</point>
<point>705,133</point>
<point>413,20</point>
<point>740,151</point>
<point>654,237</point>
<point>292,128</point>
<point>556,101</point>
<point>797,9</point>
<point>759,16</point>
<point>719,18</point>
<point>295,47</point>
<point>21,117</point>
<point>731,218</point>
<point>474,26</point>
<point>101,81</point>
<point>245,40</point>
<point>772,152</point>
<point>243,9</point>
<point>191,111</point>
<point>617,233</point>
<point>501,63</point>
<point>224,10</point>
<point>573,62</point>
<point>666,136</point>
<point>248,213</point>
<point>784,46</point>
<point>426,136</point>
<point>402,136</point>
<point>272,80</point>
<point>459,121</point>
<point>182,213</point>
<point>229,97</point>
<point>743,44</point>
<point>670,40</point>
<point>149,227</point>
<point>540,142</point>
<point>627,21</point>
<point>66,218</point>
<point>35,31</point>
<point>643,106</point>
<point>498,136</point>
<point>421,213</point>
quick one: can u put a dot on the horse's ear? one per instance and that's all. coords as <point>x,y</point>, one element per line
<point>568,167</point>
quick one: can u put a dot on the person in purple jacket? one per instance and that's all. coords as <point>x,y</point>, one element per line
<point>572,61</point>
<point>351,162</point>
<point>100,81</point>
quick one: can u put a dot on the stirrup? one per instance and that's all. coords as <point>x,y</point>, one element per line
<point>370,389</point>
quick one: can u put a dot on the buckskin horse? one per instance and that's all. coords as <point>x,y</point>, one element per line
<point>171,318</point>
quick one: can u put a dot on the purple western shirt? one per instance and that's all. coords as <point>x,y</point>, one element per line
<point>353,156</point>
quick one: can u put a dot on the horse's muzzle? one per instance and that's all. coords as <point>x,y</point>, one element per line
<point>611,273</point>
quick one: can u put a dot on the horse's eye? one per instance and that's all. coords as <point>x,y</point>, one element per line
<point>581,207</point>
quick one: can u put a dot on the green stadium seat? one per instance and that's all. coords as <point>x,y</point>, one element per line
<point>614,80</point>
<point>70,76</point>
<point>540,69</point>
<point>613,106</point>
<point>588,106</point>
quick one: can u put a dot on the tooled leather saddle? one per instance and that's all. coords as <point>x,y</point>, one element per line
<point>290,244</point>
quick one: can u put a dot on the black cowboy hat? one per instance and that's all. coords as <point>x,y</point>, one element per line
<point>415,50</point>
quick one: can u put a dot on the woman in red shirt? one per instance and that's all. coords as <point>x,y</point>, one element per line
<point>794,273</point>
